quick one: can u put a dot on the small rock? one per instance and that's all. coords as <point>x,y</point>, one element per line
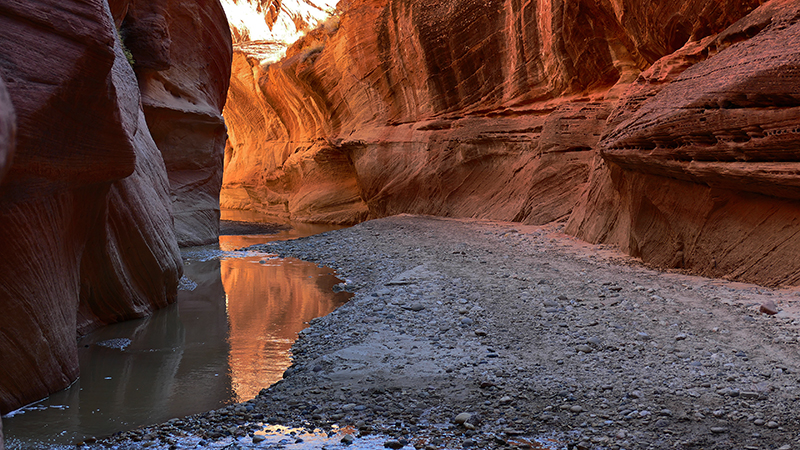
<point>462,418</point>
<point>506,400</point>
<point>769,308</point>
<point>772,424</point>
<point>348,439</point>
<point>259,438</point>
<point>576,409</point>
<point>718,430</point>
<point>480,332</point>
<point>680,337</point>
<point>467,321</point>
<point>416,307</point>
<point>393,443</point>
<point>584,348</point>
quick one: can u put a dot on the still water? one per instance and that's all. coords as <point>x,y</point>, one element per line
<point>228,336</point>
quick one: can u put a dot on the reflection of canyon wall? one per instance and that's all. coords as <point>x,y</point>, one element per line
<point>273,302</point>
<point>87,234</point>
<point>666,130</point>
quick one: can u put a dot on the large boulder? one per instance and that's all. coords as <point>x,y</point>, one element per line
<point>86,221</point>
<point>182,57</point>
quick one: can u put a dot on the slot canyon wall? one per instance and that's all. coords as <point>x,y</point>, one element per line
<point>670,130</point>
<point>87,235</point>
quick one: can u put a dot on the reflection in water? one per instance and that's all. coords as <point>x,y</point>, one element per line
<point>220,343</point>
<point>272,303</point>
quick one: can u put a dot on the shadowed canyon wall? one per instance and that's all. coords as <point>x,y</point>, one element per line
<point>182,53</point>
<point>87,235</point>
<point>668,130</point>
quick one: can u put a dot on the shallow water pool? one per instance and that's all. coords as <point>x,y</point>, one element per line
<point>228,336</point>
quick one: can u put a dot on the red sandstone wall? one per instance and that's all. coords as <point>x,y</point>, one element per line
<point>87,235</point>
<point>667,129</point>
<point>182,50</point>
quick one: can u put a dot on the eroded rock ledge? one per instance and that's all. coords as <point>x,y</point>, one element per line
<point>669,131</point>
<point>86,204</point>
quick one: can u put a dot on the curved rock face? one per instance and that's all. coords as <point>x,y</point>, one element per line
<point>667,130</point>
<point>7,138</point>
<point>87,235</point>
<point>182,54</point>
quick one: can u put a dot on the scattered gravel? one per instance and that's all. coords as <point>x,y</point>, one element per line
<point>476,334</point>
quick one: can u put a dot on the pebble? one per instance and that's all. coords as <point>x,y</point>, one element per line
<point>462,418</point>
<point>769,308</point>
<point>584,348</point>
<point>258,438</point>
<point>718,430</point>
<point>393,443</point>
<point>348,439</point>
<point>480,332</point>
<point>467,321</point>
<point>772,424</point>
<point>416,307</point>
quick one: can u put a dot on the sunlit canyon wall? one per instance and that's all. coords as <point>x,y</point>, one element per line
<point>87,235</point>
<point>669,129</point>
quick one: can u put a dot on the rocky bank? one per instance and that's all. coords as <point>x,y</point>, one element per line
<point>481,334</point>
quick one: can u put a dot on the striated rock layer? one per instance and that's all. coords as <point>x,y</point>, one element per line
<point>670,131</point>
<point>700,165</point>
<point>87,235</point>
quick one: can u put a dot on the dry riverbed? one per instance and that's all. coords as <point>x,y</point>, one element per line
<point>477,334</point>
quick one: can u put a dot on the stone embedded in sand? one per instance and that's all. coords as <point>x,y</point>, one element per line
<point>769,308</point>
<point>462,418</point>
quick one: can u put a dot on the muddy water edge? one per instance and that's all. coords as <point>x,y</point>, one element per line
<point>228,336</point>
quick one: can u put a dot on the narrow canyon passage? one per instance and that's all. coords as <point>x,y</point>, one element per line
<point>667,131</point>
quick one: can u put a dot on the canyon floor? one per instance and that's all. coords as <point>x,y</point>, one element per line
<point>491,335</point>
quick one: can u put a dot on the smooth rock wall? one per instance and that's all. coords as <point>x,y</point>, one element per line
<point>182,50</point>
<point>87,235</point>
<point>7,143</point>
